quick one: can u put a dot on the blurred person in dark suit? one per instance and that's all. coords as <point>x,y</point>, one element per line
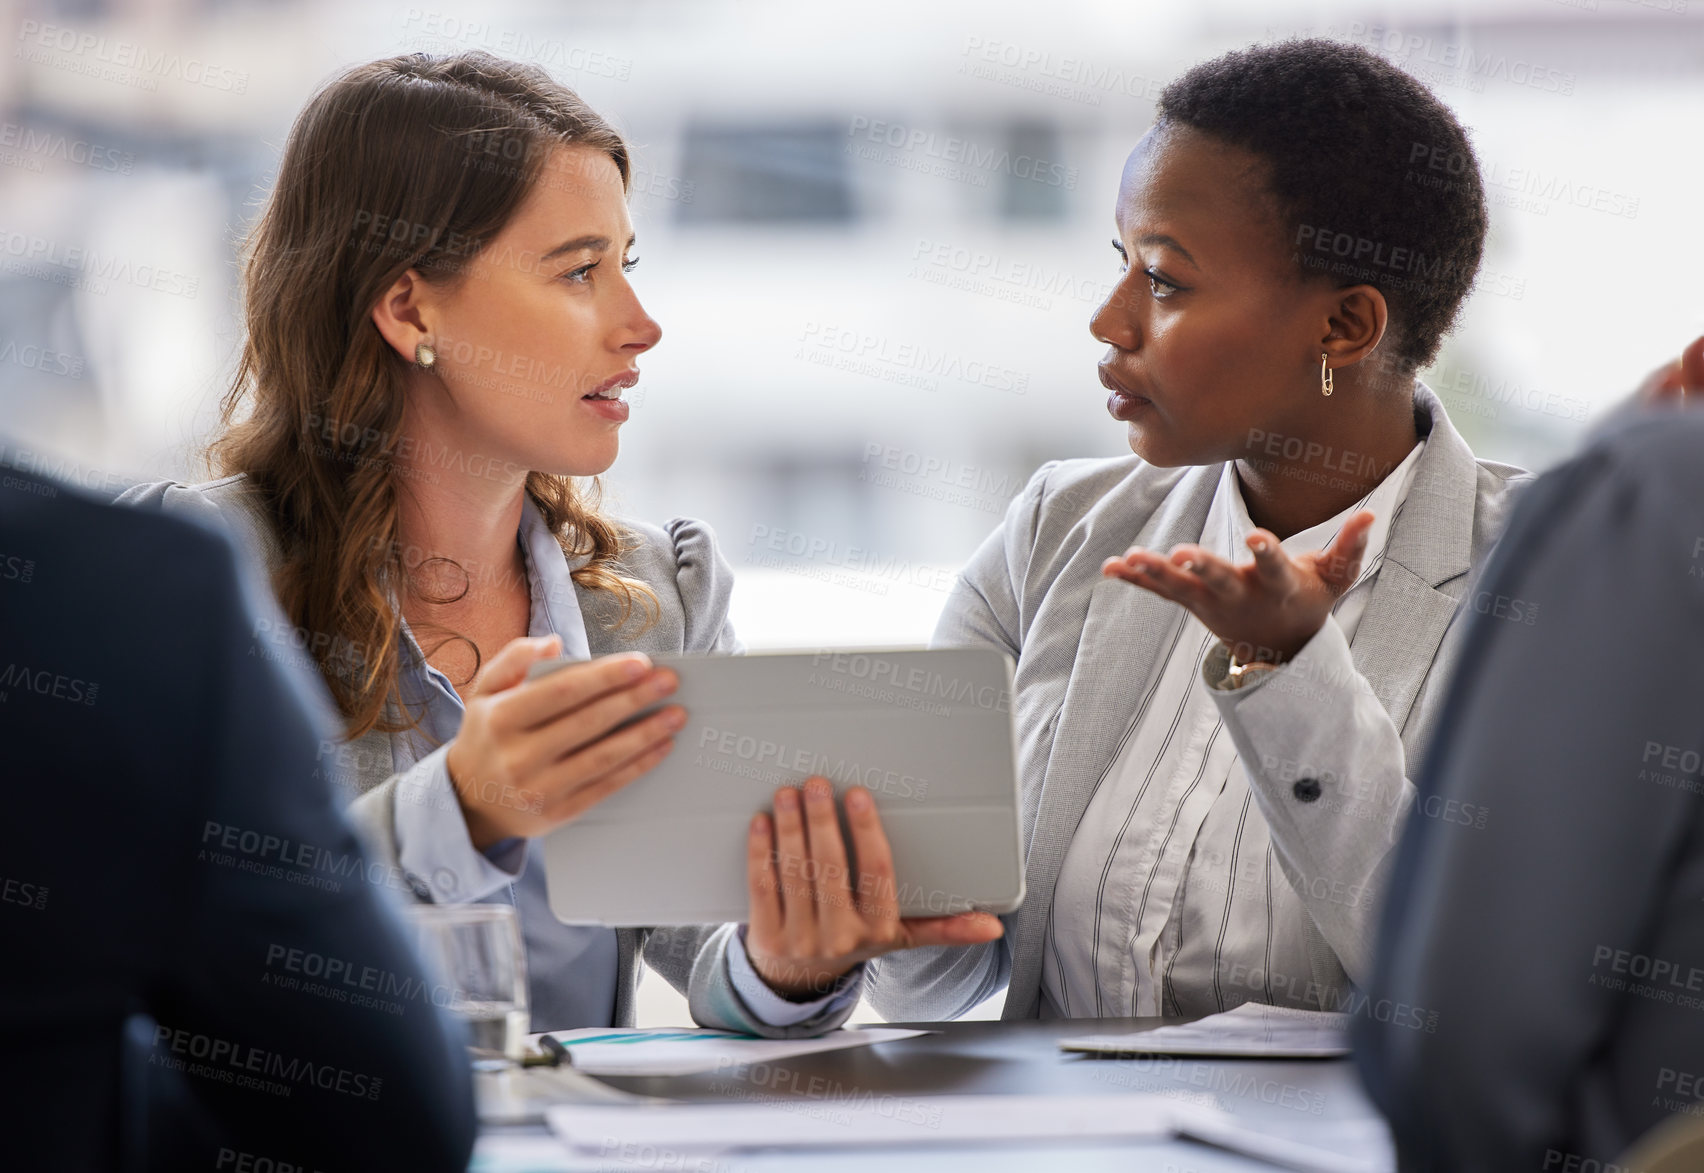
<point>200,970</point>
<point>1547,902</point>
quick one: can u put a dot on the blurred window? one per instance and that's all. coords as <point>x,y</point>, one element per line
<point>1033,186</point>
<point>788,173</point>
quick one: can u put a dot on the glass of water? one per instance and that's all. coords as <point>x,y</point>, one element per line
<point>474,956</point>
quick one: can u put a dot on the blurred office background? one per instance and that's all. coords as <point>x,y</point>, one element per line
<point>873,232</point>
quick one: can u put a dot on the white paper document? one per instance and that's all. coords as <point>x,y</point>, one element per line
<point>668,1051</point>
<point>520,1095</point>
<point>1253,1030</point>
<point>684,1134</point>
<point>847,1117</point>
<point>1355,1145</point>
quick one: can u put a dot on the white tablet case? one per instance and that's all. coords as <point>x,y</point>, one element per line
<point>929,733</point>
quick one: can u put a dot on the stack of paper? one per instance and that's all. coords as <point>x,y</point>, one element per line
<point>679,1135</point>
<point>1355,1145</point>
<point>666,1051</point>
<point>1251,1031</point>
<point>824,1113</point>
<point>854,1117</point>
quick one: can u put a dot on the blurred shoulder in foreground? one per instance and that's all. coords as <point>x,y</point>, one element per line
<point>200,962</point>
<point>1547,903</point>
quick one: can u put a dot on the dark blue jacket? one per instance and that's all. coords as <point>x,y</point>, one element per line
<point>198,970</point>
<point>1547,901</point>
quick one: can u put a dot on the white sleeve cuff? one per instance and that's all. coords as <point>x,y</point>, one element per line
<point>433,843</point>
<point>771,1008</point>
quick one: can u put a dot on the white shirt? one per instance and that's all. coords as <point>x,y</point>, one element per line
<point>1169,900</point>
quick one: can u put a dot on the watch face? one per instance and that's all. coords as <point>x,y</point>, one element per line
<point>1241,674</point>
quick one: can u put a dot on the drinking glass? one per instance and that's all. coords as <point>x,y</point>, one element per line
<point>473,953</point>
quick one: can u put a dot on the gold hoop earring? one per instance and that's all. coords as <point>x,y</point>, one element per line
<point>1325,376</point>
<point>425,356</point>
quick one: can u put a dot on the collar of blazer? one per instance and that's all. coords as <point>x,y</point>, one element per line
<point>1116,668</point>
<point>373,753</point>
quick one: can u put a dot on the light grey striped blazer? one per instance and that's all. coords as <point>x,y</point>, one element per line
<point>1087,646</point>
<point>693,585</point>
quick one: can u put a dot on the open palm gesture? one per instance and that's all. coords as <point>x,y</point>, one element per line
<point>1265,610</point>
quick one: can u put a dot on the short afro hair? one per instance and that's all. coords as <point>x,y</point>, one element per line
<point>1374,179</point>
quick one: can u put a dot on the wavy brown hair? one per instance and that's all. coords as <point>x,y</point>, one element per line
<point>412,162</point>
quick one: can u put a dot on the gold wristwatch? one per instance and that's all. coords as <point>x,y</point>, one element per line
<point>1240,674</point>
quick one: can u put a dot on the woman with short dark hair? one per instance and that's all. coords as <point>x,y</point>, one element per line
<point>1215,749</point>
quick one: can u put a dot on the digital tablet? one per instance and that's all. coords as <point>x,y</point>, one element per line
<point>928,733</point>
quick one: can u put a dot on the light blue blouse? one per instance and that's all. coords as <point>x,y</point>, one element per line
<point>433,841</point>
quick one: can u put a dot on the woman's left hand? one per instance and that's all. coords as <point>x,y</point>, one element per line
<point>1266,610</point>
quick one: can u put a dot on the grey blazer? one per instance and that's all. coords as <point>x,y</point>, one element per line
<point>1084,642</point>
<point>693,584</point>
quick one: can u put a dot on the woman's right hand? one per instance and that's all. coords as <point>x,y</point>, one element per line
<point>812,919</point>
<point>532,755</point>
<point>1681,381</point>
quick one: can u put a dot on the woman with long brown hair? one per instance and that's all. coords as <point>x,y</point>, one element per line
<point>439,331</point>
